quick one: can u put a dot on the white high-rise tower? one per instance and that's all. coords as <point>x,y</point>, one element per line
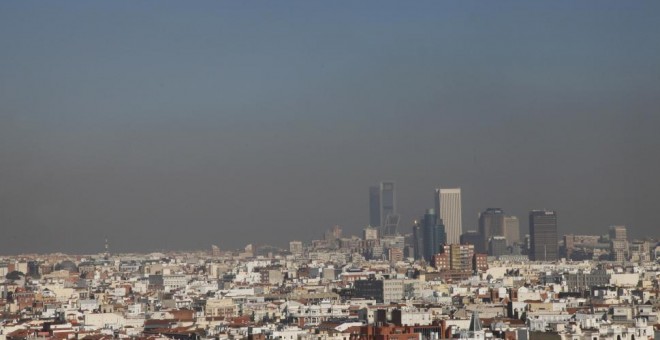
<point>448,204</point>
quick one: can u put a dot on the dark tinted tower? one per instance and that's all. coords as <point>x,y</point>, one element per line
<point>543,235</point>
<point>374,206</point>
<point>387,200</point>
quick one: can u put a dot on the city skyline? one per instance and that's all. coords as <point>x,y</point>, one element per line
<point>422,223</point>
<point>344,170</point>
<point>176,126</point>
<point>405,227</point>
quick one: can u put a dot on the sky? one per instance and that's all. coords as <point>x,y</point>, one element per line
<point>166,125</point>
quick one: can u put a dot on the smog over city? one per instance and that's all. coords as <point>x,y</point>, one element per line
<point>329,170</point>
<point>170,125</point>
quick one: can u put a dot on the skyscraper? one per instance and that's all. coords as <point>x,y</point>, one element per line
<point>491,223</point>
<point>417,240</point>
<point>511,230</point>
<point>428,232</point>
<point>448,204</point>
<point>434,234</point>
<point>543,235</point>
<point>388,208</point>
<point>382,208</point>
<point>428,235</point>
<point>374,206</point>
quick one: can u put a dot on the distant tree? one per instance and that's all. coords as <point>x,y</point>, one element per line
<point>15,275</point>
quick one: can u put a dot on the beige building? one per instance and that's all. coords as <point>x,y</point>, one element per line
<point>220,308</point>
<point>511,230</point>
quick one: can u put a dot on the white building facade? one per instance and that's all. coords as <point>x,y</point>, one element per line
<point>448,204</point>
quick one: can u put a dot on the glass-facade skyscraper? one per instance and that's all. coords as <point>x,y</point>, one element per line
<point>374,206</point>
<point>491,223</point>
<point>433,234</point>
<point>543,244</point>
<point>382,207</point>
<point>387,200</point>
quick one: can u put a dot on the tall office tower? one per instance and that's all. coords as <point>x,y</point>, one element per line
<point>382,208</point>
<point>388,215</point>
<point>618,243</point>
<point>491,223</point>
<point>448,204</point>
<point>417,241</point>
<point>428,234</point>
<point>391,225</point>
<point>387,199</point>
<point>511,230</point>
<point>543,235</point>
<point>374,206</point>
<point>440,234</point>
<point>433,234</point>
